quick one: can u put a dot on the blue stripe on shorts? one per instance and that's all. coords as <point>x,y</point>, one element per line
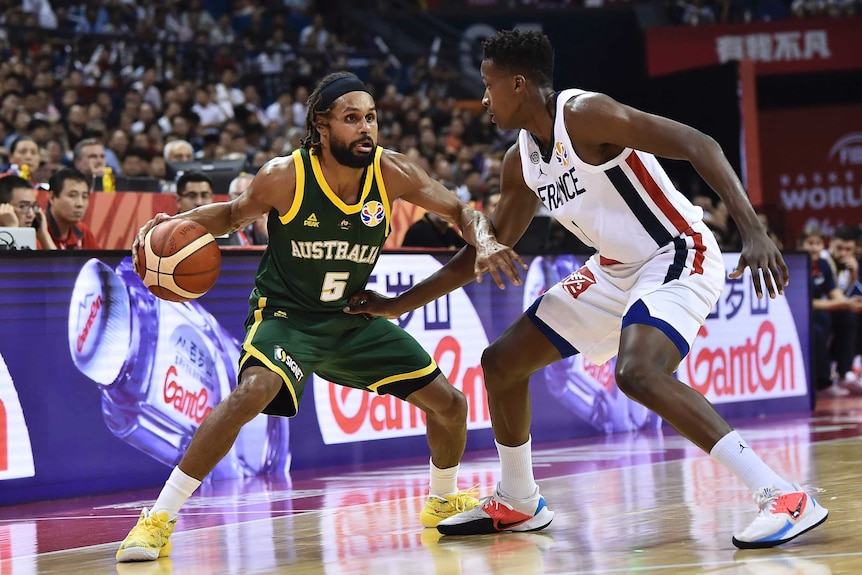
<point>564,347</point>
<point>639,313</point>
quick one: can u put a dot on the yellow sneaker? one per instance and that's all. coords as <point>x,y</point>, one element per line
<point>439,508</point>
<point>162,566</point>
<point>149,539</point>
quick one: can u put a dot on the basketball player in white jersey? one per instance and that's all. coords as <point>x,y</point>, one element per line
<point>655,276</point>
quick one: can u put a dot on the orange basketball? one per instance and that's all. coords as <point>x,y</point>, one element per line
<point>179,260</point>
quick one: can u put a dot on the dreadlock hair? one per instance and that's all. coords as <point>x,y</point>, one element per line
<point>528,53</point>
<point>312,136</point>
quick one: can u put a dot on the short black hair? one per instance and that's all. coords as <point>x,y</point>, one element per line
<point>191,176</point>
<point>37,123</point>
<point>525,52</point>
<point>141,153</point>
<point>9,183</point>
<point>846,233</point>
<point>58,180</point>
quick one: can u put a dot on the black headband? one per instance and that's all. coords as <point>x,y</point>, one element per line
<point>337,88</point>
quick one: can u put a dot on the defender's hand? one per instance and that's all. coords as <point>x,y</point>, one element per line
<point>494,257</point>
<point>369,303</point>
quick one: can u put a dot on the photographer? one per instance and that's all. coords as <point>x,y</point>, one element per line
<point>18,208</point>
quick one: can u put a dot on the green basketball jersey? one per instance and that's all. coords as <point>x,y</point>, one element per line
<point>322,250</point>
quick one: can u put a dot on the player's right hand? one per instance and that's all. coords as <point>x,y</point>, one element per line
<point>369,303</point>
<point>142,234</point>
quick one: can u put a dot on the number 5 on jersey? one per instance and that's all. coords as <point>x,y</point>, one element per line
<point>334,284</point>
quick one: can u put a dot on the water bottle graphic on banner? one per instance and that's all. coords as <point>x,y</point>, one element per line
<point>162,367</point>
<point>16,453</point>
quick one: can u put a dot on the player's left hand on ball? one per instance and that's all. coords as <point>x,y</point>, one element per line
<point>369,303</point>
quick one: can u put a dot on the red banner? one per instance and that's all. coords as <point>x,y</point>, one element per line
<point>811,163</point>
<point>116,218</point>
<point>786,47</point>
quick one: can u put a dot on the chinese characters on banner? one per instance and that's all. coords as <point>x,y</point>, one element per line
<point>786,47</point>
<point>748,349</point>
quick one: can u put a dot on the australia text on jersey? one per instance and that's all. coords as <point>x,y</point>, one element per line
<point>335,250</point>
<point>565,189</point>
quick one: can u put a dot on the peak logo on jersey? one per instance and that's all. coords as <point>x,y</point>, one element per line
<point>561,154</point>
<point>291,363</point>
<point>578,281</point>
<point>311,221</point>
<point>372,213</point>
<point>344,225</point>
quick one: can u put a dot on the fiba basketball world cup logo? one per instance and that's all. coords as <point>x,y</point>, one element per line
<point>561,154</point>
<point>372,213</point>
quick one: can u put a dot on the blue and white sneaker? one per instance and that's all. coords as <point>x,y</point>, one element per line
<point>782,517</point>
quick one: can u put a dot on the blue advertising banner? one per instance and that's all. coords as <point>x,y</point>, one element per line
<point>102,385</point>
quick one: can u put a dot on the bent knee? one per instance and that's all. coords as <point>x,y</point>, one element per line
<point>443,401</point>
<point>457,408</point>
<point>257,388</point>
<point>497,364</point>
<point>632,378</point>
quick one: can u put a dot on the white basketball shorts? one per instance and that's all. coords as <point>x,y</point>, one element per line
<point>674,291</point>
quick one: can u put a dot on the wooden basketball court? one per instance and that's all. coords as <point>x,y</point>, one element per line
<point>624,504</point>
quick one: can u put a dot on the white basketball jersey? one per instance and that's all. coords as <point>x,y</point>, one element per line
<point>626,208</point>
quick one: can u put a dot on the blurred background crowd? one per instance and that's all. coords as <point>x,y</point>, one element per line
<point>231,78</point>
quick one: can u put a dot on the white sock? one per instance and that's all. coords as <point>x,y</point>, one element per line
<point>178,488</point>
<point>443,481</point>
<point>516,465</point>
<point>735,454</point>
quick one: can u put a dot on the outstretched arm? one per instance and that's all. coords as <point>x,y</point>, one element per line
<point>511,218</point>
<point>604,126</point>
<point>408,181</point>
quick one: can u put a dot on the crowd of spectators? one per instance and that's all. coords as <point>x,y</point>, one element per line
<point>836,319</point>
<point>121,91</point>
<point>127,88</point>
<point>698,12</point>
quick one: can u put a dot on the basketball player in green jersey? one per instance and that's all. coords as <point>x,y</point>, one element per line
<point>329,206</point>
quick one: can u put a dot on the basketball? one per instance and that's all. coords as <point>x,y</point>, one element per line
<point>179,260</point>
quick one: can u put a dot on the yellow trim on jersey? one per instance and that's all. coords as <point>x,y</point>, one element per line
<point>299,192</point>
<point>253,351</point>
<point>403,377</point>
<point>339,203</point>
<point>381,187</point>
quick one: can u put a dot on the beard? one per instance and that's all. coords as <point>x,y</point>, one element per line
<point>345,155</point>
